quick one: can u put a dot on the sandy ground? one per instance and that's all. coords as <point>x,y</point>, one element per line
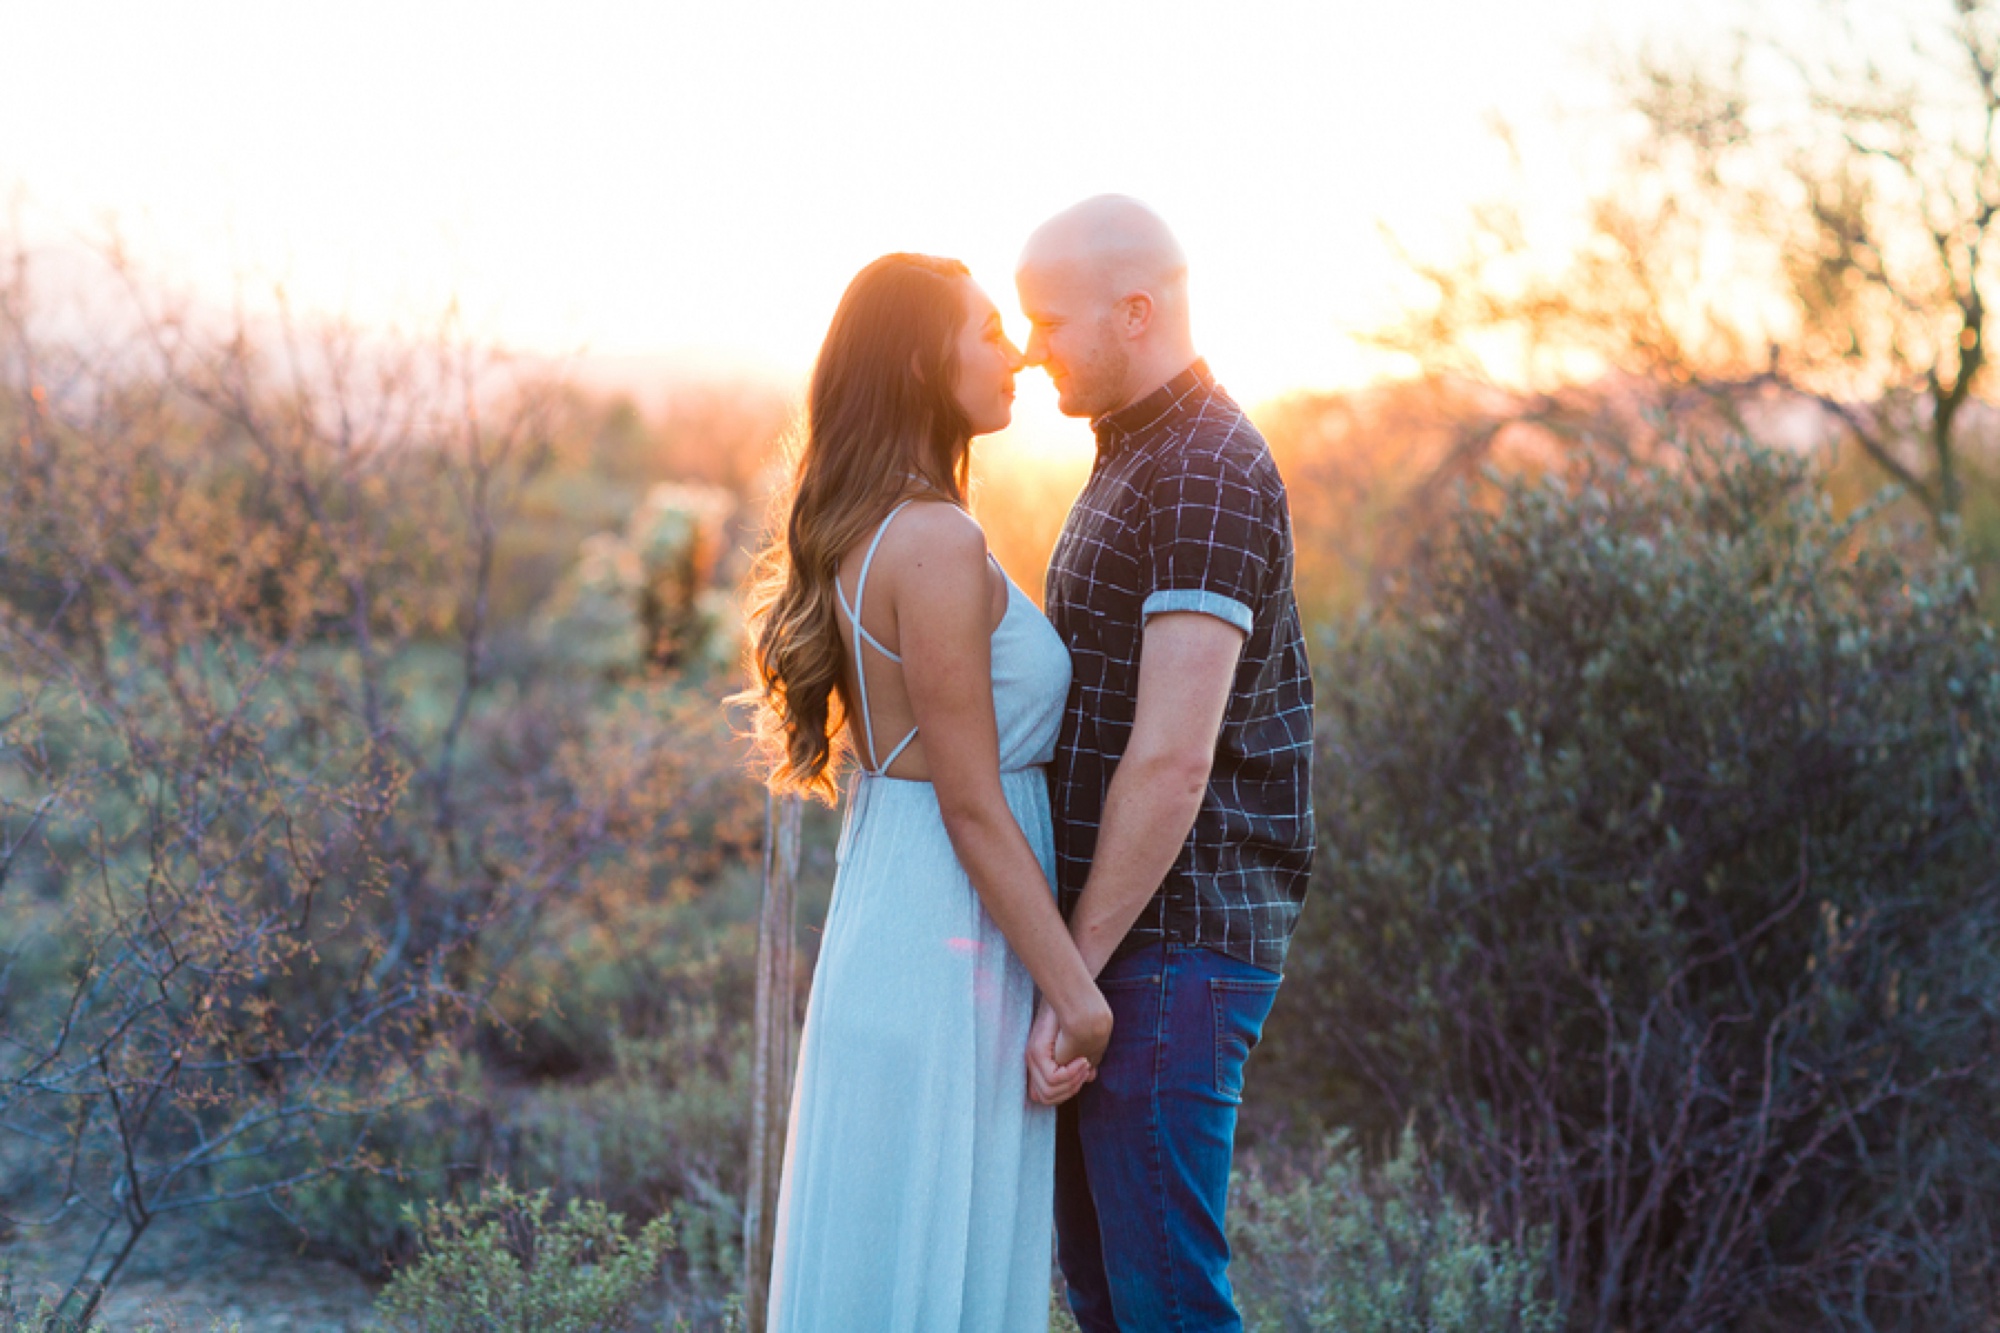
<point>184,1277</point>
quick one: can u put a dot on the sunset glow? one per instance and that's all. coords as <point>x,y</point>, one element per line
<point>694,183</point>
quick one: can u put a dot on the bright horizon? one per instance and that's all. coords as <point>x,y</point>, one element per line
<point>693,185</point>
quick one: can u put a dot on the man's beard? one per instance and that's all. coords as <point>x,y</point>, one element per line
<point>1100,388</point>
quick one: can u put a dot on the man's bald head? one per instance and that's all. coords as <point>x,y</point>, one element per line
<point>1116,243</point>
<point>1105,285</point>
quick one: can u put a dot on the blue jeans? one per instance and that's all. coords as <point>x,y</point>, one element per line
<point>1143,1152</point>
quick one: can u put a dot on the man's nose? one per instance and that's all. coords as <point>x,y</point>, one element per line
<point>1037,351</point>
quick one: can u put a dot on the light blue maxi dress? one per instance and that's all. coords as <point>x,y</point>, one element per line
<point>917,1192</point>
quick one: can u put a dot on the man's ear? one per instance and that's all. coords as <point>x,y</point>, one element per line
<point>1136,309</point>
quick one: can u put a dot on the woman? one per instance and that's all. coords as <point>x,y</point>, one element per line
<point>917,1180</point>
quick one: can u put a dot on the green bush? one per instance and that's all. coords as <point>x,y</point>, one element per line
<point>1319,1244</point>
<point>662,1135</point>
<point>503,1264</point>
<point>1659,817</point>
<point>426,1149</point>
<point>296,806</point>
<point>658,1132</point>
<point>1334,1248</point>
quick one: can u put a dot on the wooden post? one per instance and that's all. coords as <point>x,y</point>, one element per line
<point>771,1064</point>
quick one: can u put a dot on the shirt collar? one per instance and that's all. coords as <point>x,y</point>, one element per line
<point>1118,429</point>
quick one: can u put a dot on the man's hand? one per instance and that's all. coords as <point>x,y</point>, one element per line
<point>1050,1081</point>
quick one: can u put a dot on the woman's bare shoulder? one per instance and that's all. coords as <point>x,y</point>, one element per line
<point>937,532</point>
<point>936,554</point>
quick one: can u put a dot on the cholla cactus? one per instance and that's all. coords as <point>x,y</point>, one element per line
<point>607,566</point>
<point>592,613</point>
<point>644,597</point>
<point>677,535</point>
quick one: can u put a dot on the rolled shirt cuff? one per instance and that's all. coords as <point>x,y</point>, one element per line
<point>1226,609</point>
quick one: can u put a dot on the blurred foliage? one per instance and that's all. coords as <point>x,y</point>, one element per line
<point>262,876</point>
<point>1020,498</point>
<point>302,820</point>
<point>1320,1242</point>
<point>647,597</point>
<point>1656,888</point>
<point>605,454</point>
<point>1793,239</point>
<point>1370,473</point>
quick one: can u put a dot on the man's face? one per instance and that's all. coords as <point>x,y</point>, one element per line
<point>1072,334</point>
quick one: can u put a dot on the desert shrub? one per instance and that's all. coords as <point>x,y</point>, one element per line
<point>1319,1242</point>
<point>662,1134</point>
<point>1331,1246</point>
<point>659,932</point>
<point>607,1060</point>
<point>242,660</point>
<point>1660,818</point>
<point>15,1317</point>
<point>658,1134</point>
<point>276,821</point>
<point>428,1148</point>
<point>510,1263</point>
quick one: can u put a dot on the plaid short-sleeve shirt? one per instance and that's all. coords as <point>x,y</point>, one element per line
<point>1184,511</point>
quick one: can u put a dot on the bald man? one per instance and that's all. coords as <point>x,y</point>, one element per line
<point>1182,778</point>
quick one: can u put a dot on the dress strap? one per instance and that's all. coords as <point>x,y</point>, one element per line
<point>896,753</point>
<point>860,629</point>
<point>861,636</point>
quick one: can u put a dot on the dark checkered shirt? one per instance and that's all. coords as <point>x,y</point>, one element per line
<point>1184,511</point>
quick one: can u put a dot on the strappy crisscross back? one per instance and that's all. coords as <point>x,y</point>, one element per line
<point>861,636</point>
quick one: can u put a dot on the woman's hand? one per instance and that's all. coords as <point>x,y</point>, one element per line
<point>941,585</point>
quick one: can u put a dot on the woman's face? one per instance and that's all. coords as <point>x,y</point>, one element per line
<point>986,364</point>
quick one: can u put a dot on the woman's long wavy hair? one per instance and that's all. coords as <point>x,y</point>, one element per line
<point>882,423</point>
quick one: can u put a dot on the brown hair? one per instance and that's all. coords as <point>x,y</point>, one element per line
<point>882,423</point>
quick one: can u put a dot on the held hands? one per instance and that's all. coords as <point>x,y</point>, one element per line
<point>1084,1036</point>
<point>1063,1056</point>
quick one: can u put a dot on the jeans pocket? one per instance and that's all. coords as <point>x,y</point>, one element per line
<point>1240,1007</point>
<point>1128,1064</point>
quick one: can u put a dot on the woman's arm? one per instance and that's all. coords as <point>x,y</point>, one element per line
<point>942,594</point>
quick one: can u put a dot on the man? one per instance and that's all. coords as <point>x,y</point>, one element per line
<point>1182,779</point>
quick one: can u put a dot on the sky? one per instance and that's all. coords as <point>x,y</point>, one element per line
<point>696,182</point>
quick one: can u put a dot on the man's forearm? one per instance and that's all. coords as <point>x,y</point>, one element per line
<point>1151,805</point>
<point>1186,666</point>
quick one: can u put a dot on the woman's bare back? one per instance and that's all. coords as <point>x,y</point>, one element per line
<point>908,534</point>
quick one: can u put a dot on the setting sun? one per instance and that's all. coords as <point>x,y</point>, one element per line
<point>694,183</point>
